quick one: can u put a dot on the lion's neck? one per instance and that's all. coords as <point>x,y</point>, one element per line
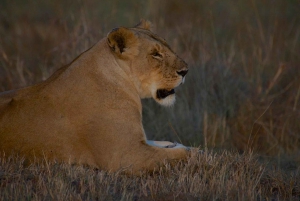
<point>94,70</point>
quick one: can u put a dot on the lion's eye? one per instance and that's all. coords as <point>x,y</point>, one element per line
<point>156,54</point>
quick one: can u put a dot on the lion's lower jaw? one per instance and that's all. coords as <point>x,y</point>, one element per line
<point>167,101</point>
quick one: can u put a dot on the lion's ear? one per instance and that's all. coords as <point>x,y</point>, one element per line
<point>123,42</point>
<point>144,24</point>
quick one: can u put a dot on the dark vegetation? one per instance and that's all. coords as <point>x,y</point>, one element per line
<point>241,95</point>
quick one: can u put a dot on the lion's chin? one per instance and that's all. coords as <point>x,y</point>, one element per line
<point>165,97</point>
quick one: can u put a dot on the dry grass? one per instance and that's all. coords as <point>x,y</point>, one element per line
<point>242,93</point>
<point>207,176</point>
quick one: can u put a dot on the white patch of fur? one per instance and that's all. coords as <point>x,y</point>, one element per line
<point>152,143</point>
<point>183,80</point>
<point>168,101</point>
<point>164,144</point>
<point>179,146</point>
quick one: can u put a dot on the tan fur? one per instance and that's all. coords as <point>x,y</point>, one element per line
<point>90,111</point>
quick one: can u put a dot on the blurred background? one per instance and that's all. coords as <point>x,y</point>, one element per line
<point>243,88</point>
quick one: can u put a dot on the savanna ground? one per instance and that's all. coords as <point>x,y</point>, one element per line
<point>240,102</point>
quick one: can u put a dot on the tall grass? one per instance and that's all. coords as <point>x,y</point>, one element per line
<point>242,91</point>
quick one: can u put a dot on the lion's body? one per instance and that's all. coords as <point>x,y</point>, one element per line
<point>88,112</point>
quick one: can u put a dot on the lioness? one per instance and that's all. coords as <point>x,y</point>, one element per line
<point>90,111</point>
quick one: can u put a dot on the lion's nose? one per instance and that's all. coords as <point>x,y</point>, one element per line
<point>182,72</point>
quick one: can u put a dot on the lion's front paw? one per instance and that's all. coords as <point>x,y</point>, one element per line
<point>176,145</point>
<point>171,145</point>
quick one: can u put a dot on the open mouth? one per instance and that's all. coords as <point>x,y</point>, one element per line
<point>163,93</point>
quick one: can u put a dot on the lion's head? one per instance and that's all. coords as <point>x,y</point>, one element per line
<point>151,64</point>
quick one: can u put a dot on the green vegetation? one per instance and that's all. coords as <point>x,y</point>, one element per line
<point>242,94</point>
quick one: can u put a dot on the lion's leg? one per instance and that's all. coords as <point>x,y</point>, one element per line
<point>148,157</point>
<point>157,156</point>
